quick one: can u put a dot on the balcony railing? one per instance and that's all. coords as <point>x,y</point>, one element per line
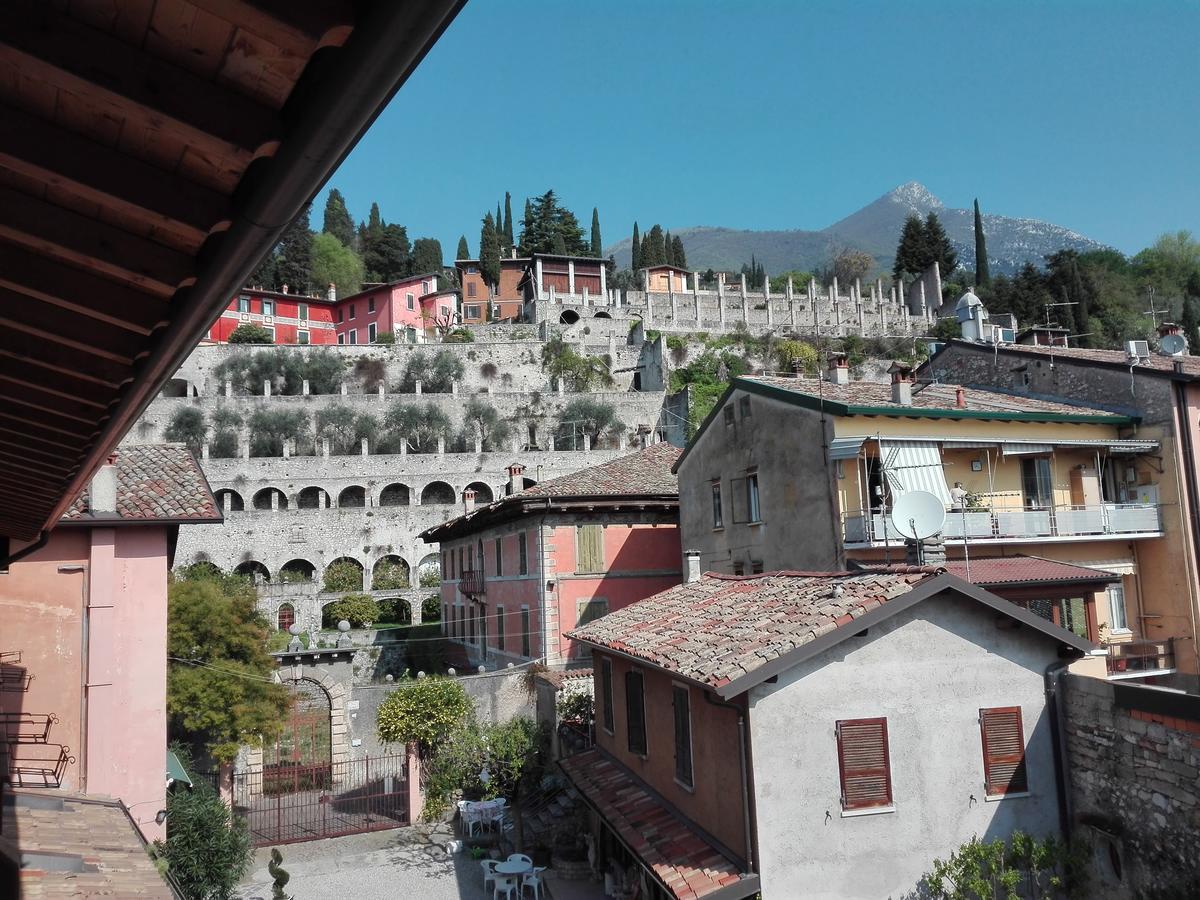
<point>1141,658</point>
<point>1018,523</point>
<point>472,582</point>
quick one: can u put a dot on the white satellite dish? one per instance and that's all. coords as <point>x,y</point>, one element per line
<point>918,515</point>
<point>1173,344</point>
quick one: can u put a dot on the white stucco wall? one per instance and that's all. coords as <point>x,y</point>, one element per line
<point>929,670</point>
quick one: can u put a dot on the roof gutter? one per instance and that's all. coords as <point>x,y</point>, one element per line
<point>329,110</point>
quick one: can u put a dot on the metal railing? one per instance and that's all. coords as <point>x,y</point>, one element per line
<point>1017,523</point>
<point>1138,657</point>
<point>471,581</point>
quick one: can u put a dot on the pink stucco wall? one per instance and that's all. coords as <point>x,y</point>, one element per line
<point>114,581</point>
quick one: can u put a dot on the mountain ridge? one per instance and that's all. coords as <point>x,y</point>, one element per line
<point>875,228</point>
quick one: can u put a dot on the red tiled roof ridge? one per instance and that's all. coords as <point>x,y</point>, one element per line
<point>884,569</point>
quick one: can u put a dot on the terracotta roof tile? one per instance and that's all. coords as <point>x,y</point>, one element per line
<point>721,627</point>
<point>995,571</point>
<point>926,396</point>
<point>1156,362</point>
<point>156,481</point>
<point>645,471</point>
<point>671,847</point>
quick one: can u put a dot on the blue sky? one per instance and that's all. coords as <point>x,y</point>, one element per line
<point>756,114</point>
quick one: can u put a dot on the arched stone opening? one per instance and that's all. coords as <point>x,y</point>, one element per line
<point>395,495</point>
<point>483,493</point>
<point>263,499</point>
<point>285,616</point>
<point>352,497</point>
<point>601,315</point>
<point>252,568</point>
<point>176,387</point>
<point>340,575</point>
<point>568,317</point>
<point>390,573</point>
<point>297,571</point>
<point>437,492</point>
<point>429,571</point>
<point>229,501</point>
<point>312,498</point>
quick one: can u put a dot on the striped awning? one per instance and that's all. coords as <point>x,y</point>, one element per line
<point>1016,449</point>
<point>845,448</point>
<point>914,466</point>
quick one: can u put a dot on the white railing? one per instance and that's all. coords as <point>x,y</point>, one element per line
<point>1015,523</point>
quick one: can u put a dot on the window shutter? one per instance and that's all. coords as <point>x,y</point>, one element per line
<point>683,734</point>
<point>863,763</point>
<point>606,694</point>
<point>589,549</point>
<point>635,713</point>
<point>1003,751</point>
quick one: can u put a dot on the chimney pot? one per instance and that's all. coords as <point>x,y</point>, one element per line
<point>516,481</point>
<point>691,567</point>
<point>839,369</point>
<point>960,398</point>
<point>468,497</point>
<point>283,289</point>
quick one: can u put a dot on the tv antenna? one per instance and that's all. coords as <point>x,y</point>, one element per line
<point>1047,306</point>
<point>918,515</point>
<point>1152,312</point>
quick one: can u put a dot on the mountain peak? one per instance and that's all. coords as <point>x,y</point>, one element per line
<point>915,196</point>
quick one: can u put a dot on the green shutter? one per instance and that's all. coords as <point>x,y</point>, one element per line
<point>589,549</point>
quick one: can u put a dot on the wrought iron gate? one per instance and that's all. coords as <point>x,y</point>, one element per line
<point>287,803</point>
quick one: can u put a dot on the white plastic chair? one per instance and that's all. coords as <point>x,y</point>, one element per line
<point>470,817</point>
<point>489,871</point>
<point>506,884</point>
<point>533,880</point>
<point>520,857</point>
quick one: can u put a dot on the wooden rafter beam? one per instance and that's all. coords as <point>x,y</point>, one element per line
<point>38,149</point>
<point>298,28</point>
<point>78,291</point>
<point>88,338</point>
<point>59,360</point>
<point>87,243</point>
<point>108,73</point>
<point>45,393</point>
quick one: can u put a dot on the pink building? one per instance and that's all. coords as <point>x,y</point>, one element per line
<point>519,572</point>
<point>84,660</point>
<point>381,309</point>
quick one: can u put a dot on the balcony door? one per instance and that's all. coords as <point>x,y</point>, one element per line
<point>1037,482</point>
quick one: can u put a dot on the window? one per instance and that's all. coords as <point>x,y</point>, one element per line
<point>341,339</point>
<point>590,610</point>
<point>500,627</point>
<point>589,549</point>
<point>522,554</point>
<point>371,305</point>
<point>1003,751</point>
<point>635,713</point>
<point>302,337</point>
<point>739,568</point>
<point>472,270</point>
<point>473,311</point>
<point>729,414</point>
<point>681,700</point>
<point>471,289</point>
<point>744,407</point>
<point>499,557</point>
<point>271,329</point>
<point>353,338</point>
<point>341,315</point>
<point>482,564</point>
<point>752,508</point>
<point>302,313</point>
<point>1036,482</point>
<point>1116,608</point>
<point>268,307</point>
<point>606,695</point>
<point>525,631</point>
<point>756,566</point>
<point>243,304</point>
<point>863,764</point>
<point>371,332</point>
<point>408,298</point>
<point>718,513</point>
<point>461,568</point>
<point>443,565</point>
<point>351,310</point>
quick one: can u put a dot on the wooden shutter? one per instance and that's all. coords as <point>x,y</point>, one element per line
<point>589,549</point>
<point>1003,751</point>
<point>635,713</point>
<point>606,694</point>
<point>863,763</point>
<point>681,700</point>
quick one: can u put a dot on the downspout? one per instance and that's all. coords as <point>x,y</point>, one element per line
<point>84,667</point>
<point>743,738</point>
<point>1188,464</point>
<point>1055,693</point>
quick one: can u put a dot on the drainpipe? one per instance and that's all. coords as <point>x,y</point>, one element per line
<point>85,639</point>
<point>742,741</point>
<point>1189,475</point>
<point>1055,694</point>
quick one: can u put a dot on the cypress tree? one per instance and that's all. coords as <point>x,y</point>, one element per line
<point>526,228</point>
<point>294,263</point>
<point>558,245</point>
<point>982,276</point>
<point>508,226</point>
<point>597,250</point>
<point>500,229</point>
<point>668,250</point>
<point>1191,323</point>
<point>337,219</point>
<point>654,253</point>
<point>677,252</point>
<point>464,252</point>
<point>636,262</point>
<point>489,252</point>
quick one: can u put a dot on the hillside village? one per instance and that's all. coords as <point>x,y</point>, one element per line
<point>555,571</point>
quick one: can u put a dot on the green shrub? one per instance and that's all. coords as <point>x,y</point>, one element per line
<point>343,575</point>
<point>251,334</point>
<point>271,427</point>
<point>420,424</point>
<point>424,711</point>
<point>577,706</point>
<point>430,577</point>
<point>324,370</point>
<point>437,373</point>
<point>675,342</point>
<point>370,372</point>
<point>357,609</point>
<point>385,337</point>
<point>388,576</point>
<point>458,336</point>
<point>431,608</point>
<point>1025,867</point>
<point>797,354</point>
<point>344,428</point>
<point>187,427</point>
<point>575,371</point>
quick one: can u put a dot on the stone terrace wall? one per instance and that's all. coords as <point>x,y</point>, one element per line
<point>1134,757</point>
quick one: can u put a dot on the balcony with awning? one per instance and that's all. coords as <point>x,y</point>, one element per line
<point>1001,491</point>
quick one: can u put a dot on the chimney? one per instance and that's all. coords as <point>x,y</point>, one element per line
<point>469,500</point>
<point>516,478</point>
<point>839,369</point>
<point>102,494</point>
<point>283,289</point>
<point>1169,328</point>
<point>960,398</point>
<point>331,295</point>
<point>691,566</point>
<point>902,383</point>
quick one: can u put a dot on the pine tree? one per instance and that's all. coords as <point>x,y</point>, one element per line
<point>558,246</point>
<point>677,252</point>
<point>982,276</point>
<point>508,226</point>
<point>939,248</point>
<point>597,249</point>
<point>526,225</point>
<point>464,252</point>
<point>636,262</point>
<point>427,257</point>
<point>294,263</point>
<point>338,221</point>
<point>910,251</point>
<point>489,252</point>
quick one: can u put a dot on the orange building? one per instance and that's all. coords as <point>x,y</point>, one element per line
<point>479,303</point>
